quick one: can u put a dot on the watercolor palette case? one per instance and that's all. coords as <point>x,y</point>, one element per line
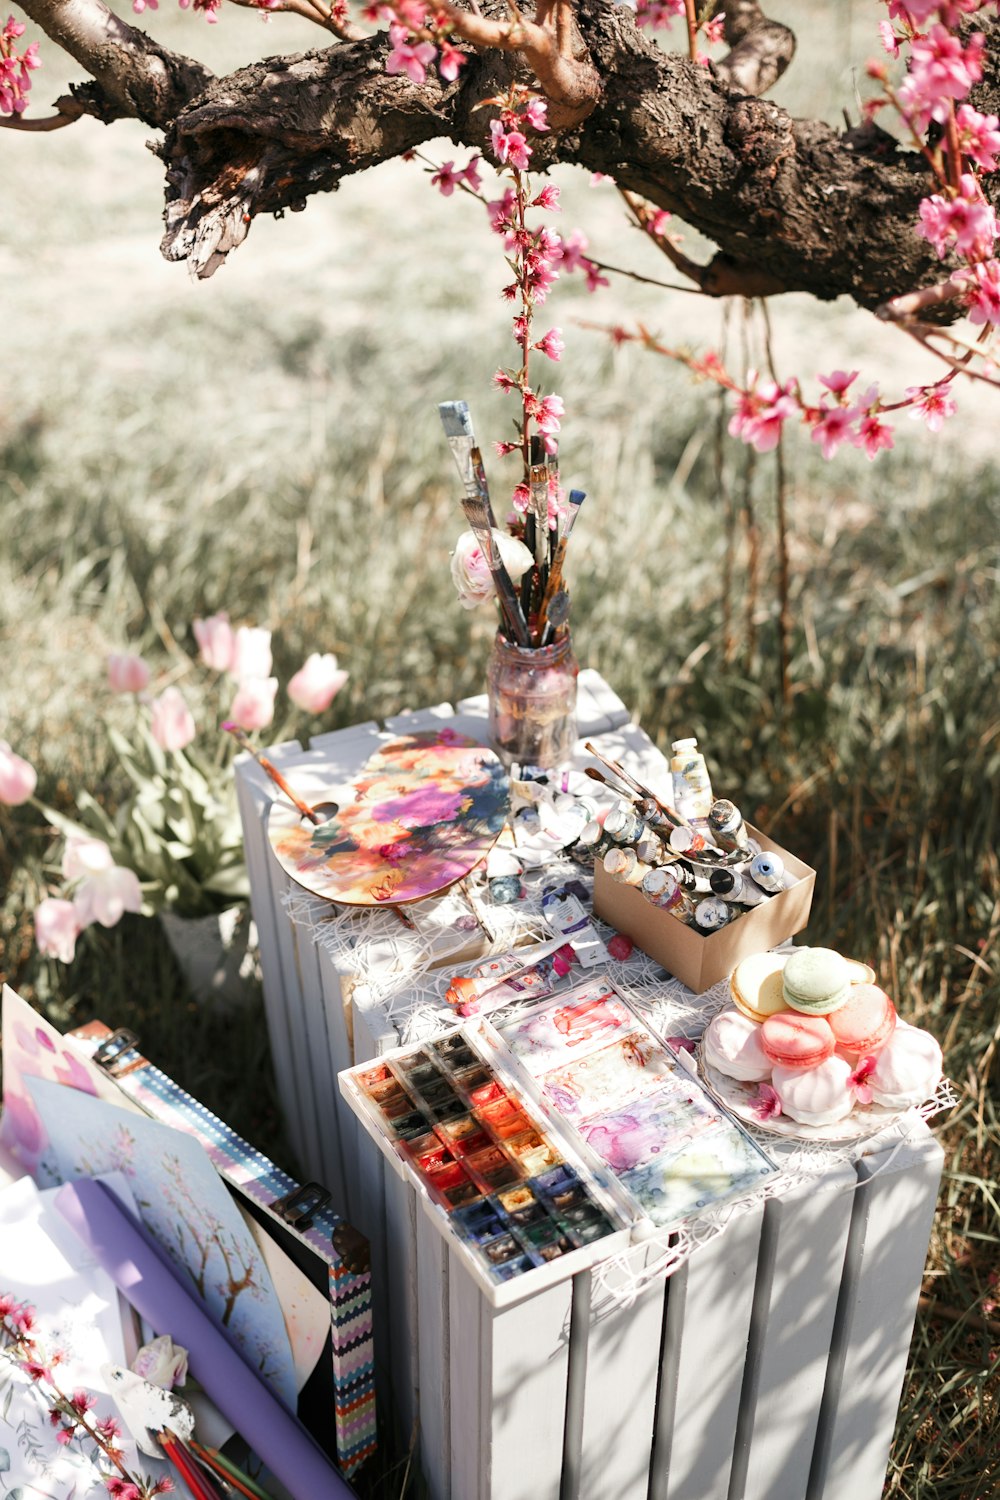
<point>539,1139</point>
<point>627,1103</point>
<point>492,1172</point>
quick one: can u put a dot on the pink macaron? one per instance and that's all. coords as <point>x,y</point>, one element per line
<point>795,1041</point>
<point>865,1022</point>
<point>815,1096</point>
<point>732,1045</point>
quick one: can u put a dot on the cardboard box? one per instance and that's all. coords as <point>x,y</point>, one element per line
<point>700,960</point>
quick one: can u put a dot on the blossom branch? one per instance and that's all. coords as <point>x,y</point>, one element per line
<point>331,17</point>
<point>761,49</point>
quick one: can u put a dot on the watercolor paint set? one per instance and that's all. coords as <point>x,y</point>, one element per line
<point>551,1134</point>
<point>491,1169</point>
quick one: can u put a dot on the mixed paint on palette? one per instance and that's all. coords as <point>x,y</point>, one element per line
<point>420,815</point>
<point>627,1099</point>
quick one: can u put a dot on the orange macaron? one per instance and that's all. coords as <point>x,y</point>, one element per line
<point>865,1022</point>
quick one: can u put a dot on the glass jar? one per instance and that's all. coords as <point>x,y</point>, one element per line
<point>532,702</point>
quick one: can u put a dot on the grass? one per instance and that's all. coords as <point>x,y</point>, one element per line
<point>267,443</point>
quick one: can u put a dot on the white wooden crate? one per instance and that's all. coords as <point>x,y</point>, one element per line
<point>768,1367</point>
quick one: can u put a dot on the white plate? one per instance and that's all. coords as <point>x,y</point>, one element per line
<point>741,1100</point>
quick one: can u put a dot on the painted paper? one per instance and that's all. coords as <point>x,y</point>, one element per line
<point>424,811</point>
<point>184,1205</point>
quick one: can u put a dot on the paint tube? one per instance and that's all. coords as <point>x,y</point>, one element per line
<point>625,866</point>
<point>687,840</point>
<point>507,977</point>
<point>768,871</point>
<point>623,824</point>
<point>650,849</point>
<point>662,888</point>
<point>736,887</point>
<point>726,825</point>
<point>713,913</point>
<point>691,782</point>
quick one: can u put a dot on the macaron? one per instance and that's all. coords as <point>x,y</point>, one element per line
<point>795,1041</point>
<point>732,1044</point>
<point>861,973</point>
<point>816,981</point>
<point>865,1021</point>
<point>756,985</point>
<point>908,1068</point>
<point>815,1096</point>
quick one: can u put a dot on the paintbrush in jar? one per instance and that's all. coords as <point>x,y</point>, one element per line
<point>538,475</point>
<point>553,583</point>
<point>456,419</point>
<point>477,515</point>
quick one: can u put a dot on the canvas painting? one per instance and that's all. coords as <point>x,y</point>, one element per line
<point>185,1207</point>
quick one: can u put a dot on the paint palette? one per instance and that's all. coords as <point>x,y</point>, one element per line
<point>419,816</point>
<point>628,1103</point>
<point>486,1159</point>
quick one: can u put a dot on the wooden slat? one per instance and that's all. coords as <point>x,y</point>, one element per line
<point>401,1289</point>
<point>524,1352</point>
<point>465,1377</point>
<point>623,1361</point>
<point>799,1267</point>
<point>433,1322</point>
<point>890,1226</point>
<point>254,796</point>
<point>341,1054</point>
<point>327,1167</point>
<point>709,1301</point>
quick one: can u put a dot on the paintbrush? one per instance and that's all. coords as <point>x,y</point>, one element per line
<point>477,515</point>
<point>539,482</point>
<point>552,467</point>
<point>272,771</point>
<point>554,582</point>
<point>636,786</point>
<point>456,419</point>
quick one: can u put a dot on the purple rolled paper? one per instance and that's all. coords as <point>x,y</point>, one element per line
<point>120,1247</point>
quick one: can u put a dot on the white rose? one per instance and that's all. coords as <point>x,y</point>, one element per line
<point>470,572</point>
<point>162,1363</point>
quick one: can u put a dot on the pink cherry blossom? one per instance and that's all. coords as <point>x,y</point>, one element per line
<point>127,673</point>
<point>547,414</point>
<point>932,403</point>
<point>978,136</point>
<point>446,179</point>
<point>552,344</point>
<point>657,14</point>
<point>941,69</point>
<point>858,1080</point>
<point>767,1105</point>
<point>216,641</point>
<point>253,706</point>
<point>57,927</point>
<point>761,413</point>
<point>171,721</point>
<point>536,114</point>
<point>873,435</point>
<point>510,146</point>
<point>982,293</point>
<point>316,683</point>
<point>890,41</point>
<point>18,777</point>
<point>408,58</point>
<point>831,426</point>
<point>571,250</point>
<point>839,381</point>
<point>548,198</point>
<point>715,30</point>
<point>450,59</point>
<point>251,653</point>
<point>470,174</point>
<point>521,499</point>
<point>965,223</point>
<point>657,225</point>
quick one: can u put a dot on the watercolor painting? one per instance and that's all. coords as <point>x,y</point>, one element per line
<point>33,1048</point>
<point>184,1205</point>
<point>426,810</point>
<point>626,1069</point>
<point>572,1025</point>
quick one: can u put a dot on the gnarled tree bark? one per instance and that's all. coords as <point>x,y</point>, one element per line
<point>793,205</point>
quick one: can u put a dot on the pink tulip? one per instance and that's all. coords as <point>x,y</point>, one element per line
<point>18,778</point>
<point>216,641</point>
<point>172,724</point>
<point>106,897</point>
<point>253,706</point>
<point>57,927</point>
<point>85,857</point>
<point>127,673</point>
<point>251,653</point>
<point>316,683</point>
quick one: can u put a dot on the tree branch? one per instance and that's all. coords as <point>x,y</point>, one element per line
<point>761,49</point>
<point>137,77</point>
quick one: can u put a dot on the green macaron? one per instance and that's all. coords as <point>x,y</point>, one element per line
<point>816,981</point>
